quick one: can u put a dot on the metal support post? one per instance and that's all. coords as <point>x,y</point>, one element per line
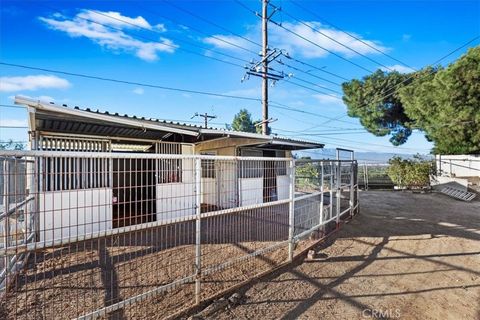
<point>291,211</point>
<point>320,220</point>
<point>332,176</point>
<point>198,250</point>
<point>352,183</point>
<point>338,192</point>
<point>6,209</point>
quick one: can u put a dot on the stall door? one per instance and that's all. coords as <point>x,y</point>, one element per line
<point>134,191</point>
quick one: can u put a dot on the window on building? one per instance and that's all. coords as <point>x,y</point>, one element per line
<point>208,165</point>
<point>169,170</point>
<point>251,168</point>
<point>70,173</point>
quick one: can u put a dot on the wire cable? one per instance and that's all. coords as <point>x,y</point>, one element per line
<point>350,35</point>
<point>319,46</point>
<point>210,22</point>
<point>333,39</point>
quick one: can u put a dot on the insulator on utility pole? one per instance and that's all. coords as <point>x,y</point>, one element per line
<point>205,116</point>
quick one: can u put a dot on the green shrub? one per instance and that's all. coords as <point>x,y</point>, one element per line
<point>410,172</point>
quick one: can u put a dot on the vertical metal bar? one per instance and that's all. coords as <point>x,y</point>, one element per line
<point>357,200</point>
<point>320,220</point>
<point>6,207</point>
<point>332,170</point>
<point>198,249</point>
<point>291,210</point>
<point>350,202</point>
<point>338,190</point>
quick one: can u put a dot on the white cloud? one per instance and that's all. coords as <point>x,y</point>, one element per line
<point>328,99</point>
<point>294,45</point>
<point>13,123</point>
<point>399,68</point>
<point>406,37</point>
<point>9,84</point>
<point>139,91</point>
<point>85,24</point>
<point>115,19</point>
<point>228,42</point>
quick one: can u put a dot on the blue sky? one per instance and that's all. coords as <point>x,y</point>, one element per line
<point>137,41</point>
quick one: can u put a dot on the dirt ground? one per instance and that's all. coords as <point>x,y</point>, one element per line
<point>67,282</point>
<point>405,256</point>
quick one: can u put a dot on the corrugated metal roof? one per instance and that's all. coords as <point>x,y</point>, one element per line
<point>58,125</point>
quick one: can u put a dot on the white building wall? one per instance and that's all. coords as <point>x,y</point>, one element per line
<point>176,200</point>
<point>74,212</point>
<point>209,191</point>
<point>283,185</point>
<point>251,191</point>
<point>458,165</point>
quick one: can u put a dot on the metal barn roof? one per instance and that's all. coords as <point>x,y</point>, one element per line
<point>48,117</point>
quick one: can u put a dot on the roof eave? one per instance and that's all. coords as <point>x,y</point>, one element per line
<point>39,105</point>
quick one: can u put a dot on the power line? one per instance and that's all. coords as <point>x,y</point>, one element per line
<point>156,41</point>
<point>196,29</point>
<point>319,46</point>
<point>148,85</point>
<point>210,22</point>
<point>349,34</point>
<point>422,75</point>
<point>286,107</point>
<point>189,51</point>
<point>308,73</point>
<point>292,58</point>
<point>317,68</point>
<point>206,93</point>
<point>155,31</point>
<point>372,144</point>
<point>320,86</point>
<point>311,89</point>
<point>333,39</point>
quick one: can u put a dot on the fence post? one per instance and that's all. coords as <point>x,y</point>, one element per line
<point>291,211</point>
<point>366,175</point>
<point>198,249</point>
<point>332,176</point>
<point>320,220</point>
<point>357,200</point>
<point>6,208</point>
<point>352,168</point>
<point>338,192</point>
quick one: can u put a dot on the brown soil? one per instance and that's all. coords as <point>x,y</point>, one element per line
<point>405,256</point>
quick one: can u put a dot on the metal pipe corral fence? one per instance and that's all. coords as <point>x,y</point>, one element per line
<point>87,235</point>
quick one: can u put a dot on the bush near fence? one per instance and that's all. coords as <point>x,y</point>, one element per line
<point>410,173</point>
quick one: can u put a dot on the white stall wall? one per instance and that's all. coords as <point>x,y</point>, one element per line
<point>227,185</point>
<point>283,184</point>
<point>209,191</point>
<point>74,212</point>
<point>251,191</point>
<point>177,199</point>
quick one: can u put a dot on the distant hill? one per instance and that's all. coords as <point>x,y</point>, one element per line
<point>360,156</point>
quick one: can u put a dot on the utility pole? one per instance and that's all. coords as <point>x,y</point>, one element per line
<point>205,116</point>
<point>260,68</point>
<point>265,67</point>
